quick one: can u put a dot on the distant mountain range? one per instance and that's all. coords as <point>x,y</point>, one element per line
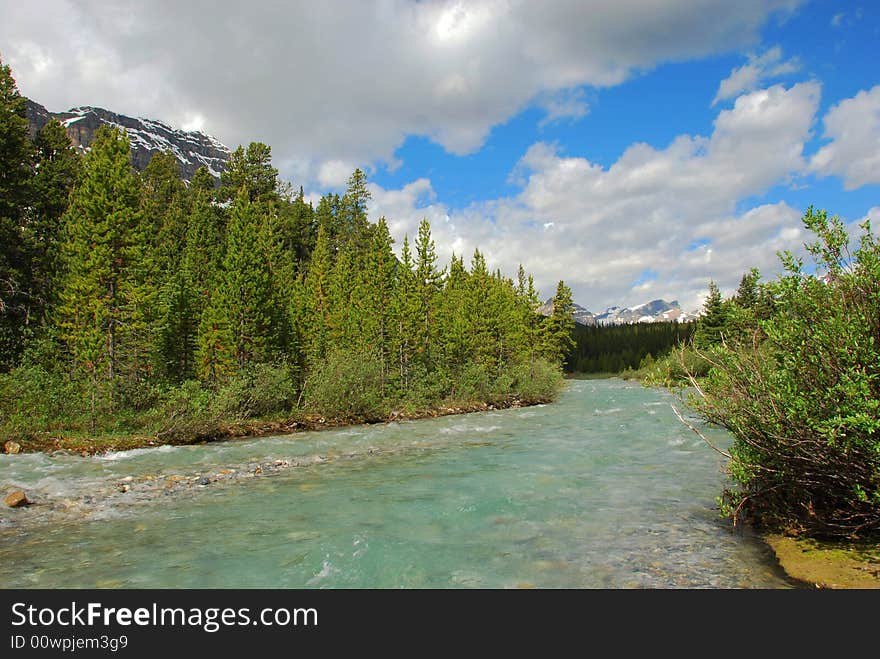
<point>655,311</point>
<point>193,149</point>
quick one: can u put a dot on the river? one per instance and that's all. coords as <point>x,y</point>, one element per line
<point>603,489</point>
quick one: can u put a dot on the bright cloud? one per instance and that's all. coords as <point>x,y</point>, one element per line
<point>853,126</point>
<point>348,81</point>
<point>759,69</point>
<point>601,228</point>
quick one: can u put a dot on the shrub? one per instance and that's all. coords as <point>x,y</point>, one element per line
<point>802,395</point>
<point>347,385</point>
<point>186,411</point>
<point>537,381</point>
<point>258,390</point>
<point>34,399</point>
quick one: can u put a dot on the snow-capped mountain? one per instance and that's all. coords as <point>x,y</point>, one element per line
<point>580,314</point>
<point>192,149</point>
<point>655,311</point>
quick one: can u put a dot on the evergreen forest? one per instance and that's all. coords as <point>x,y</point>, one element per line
<point>139,303</point>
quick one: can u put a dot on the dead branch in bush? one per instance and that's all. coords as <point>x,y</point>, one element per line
<point>699,434</point>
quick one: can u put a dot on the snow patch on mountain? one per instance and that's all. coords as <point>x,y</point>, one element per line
<point>193,149</point>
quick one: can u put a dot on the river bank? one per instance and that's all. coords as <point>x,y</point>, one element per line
<point>87,445</point>
<point>828,565</point>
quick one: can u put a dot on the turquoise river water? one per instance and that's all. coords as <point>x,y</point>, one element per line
<point>603,489</point>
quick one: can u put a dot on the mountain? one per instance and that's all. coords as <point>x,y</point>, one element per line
<point>580,314</point>
<point>192,149</point>
<point>655,311</point>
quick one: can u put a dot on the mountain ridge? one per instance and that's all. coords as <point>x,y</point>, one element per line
<point>193,149</point>
<point>655,311</point>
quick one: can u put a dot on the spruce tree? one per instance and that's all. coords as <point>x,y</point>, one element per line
<point>58,168</point>
<point>352,214</point>
<point>428,282</point>
<point>246,285</point>
<point>455,330</point>
<point>16,158</point>
<point>376,291</point>
<point>215,359</point>
<point>251,168</point>
<point>103,295</point>
<point>747,293</point>
<point>405,315</point>
<point>713,323</point>
<point>556,331</point>
<point>317,289</point>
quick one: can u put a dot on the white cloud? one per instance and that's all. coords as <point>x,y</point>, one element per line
<point>348,81</point>
<point>760,69</point>
<point>600,228</point>
<point>853,126</point>
<point>565,104</point>
<point>334,173</point>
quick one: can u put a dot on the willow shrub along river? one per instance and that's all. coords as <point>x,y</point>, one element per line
<point>603,489</point>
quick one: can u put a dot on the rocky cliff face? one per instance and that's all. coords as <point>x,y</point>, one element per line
<point>192,149</point>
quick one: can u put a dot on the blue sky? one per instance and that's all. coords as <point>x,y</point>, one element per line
<point>634,149</point>
<point>667,101</point>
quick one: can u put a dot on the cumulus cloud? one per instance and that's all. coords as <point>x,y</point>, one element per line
<point>672,211</point>
<point>760,69</point>
<point>853,126</point>
<point>348,81</point>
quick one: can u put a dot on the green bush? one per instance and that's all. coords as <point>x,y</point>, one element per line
<point>256,391</point>
<point>347,385</point>
<point>34,399</point>
<point>187,411</point>
<point>802,395</point>
<point>672,370</point>
<point>537,381</point>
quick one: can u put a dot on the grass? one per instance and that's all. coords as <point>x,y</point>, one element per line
<point>828,564</point>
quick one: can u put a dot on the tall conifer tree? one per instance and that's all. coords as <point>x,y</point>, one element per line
<point>103,295</point>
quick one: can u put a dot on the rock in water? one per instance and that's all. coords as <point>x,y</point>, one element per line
<point>16,499</point>
<point>12,447</point>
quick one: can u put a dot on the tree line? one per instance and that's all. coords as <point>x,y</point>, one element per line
<point>129,296</point>
<point>618,348</point>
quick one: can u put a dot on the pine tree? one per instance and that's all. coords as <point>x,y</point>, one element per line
<point>556,331</point>
<point>747,293</point>
<point>103,296</point>
<point>428,283</point>
<point>455,330</point>
<point>405,314</point>
<point>215,353</point>
<point>317,289</point>
<point>16,158</point>
<point>712,324</point>
<point>344,317</point>
<point>58,168</point>
<point>376,290</point>
<point>246,286</point>
<point>251,168</point>
<point>202,181</point>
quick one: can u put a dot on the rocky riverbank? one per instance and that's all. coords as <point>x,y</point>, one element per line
<point>86,445</point>
<point>109,496</point>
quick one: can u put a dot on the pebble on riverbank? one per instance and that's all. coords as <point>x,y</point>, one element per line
<point>11,447</point>
<point>16,499</point>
